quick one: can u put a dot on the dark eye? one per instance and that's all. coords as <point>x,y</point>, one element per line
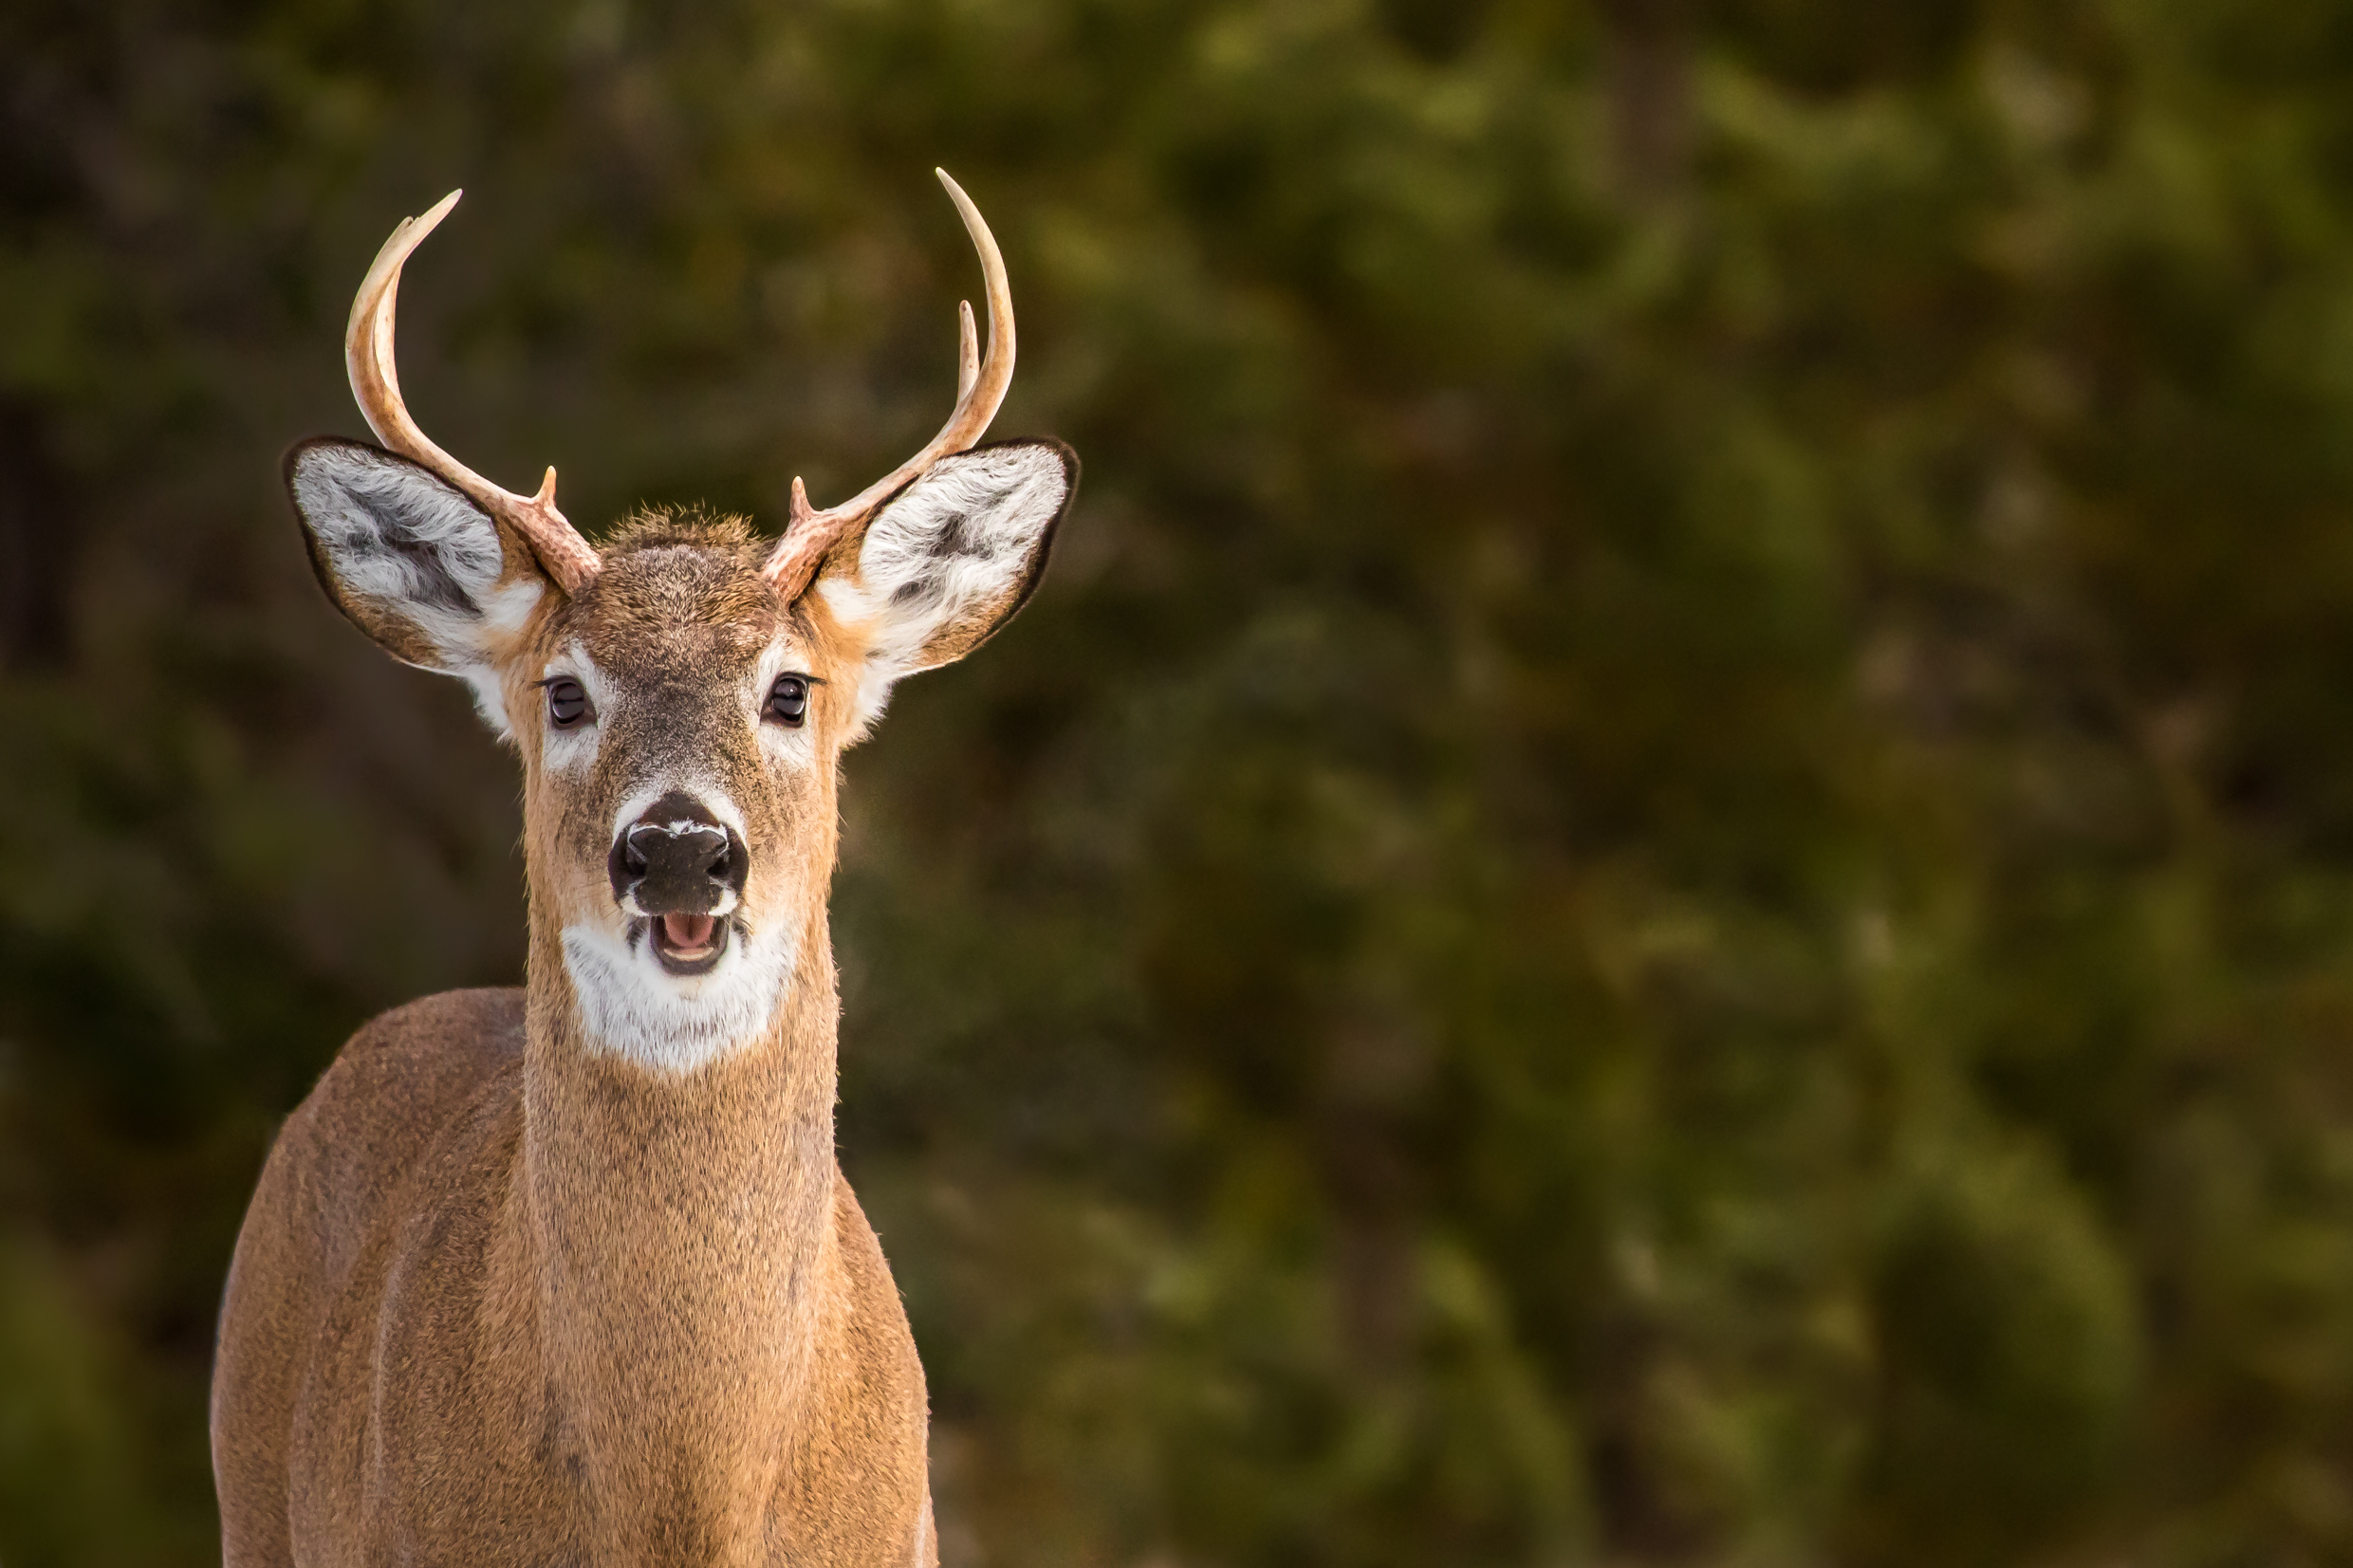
<point>568,705</point>
<point>787,700</point>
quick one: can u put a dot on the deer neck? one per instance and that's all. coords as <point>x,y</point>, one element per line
<point>680,1229</point>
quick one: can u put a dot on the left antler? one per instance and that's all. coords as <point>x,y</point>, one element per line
<point>367,353</point>
<point>980,389</point>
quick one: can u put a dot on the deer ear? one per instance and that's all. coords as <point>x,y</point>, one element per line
<point>415,565</point>
<point>951,558</point>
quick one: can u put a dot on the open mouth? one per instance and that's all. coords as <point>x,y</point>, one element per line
<point>688,944</point>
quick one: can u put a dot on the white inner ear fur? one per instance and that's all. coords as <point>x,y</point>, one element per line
<point>953,546</point>
<point>395,534</point>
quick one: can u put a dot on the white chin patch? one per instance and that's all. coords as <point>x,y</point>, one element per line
<point>633,1007</point>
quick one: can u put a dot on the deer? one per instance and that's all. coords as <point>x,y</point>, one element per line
<point>569,1274</point>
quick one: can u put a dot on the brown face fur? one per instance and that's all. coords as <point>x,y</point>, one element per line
<point>677,641</point>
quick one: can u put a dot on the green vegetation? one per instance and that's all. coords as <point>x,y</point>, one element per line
<point>1667,876</point>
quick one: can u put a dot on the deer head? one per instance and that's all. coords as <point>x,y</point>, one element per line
<point>681,697</point>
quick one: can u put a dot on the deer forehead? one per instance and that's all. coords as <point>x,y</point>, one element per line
<point>675,612</point>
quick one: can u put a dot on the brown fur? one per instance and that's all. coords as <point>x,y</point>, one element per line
<point>502,1299</point>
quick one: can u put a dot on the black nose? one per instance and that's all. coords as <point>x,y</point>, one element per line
<point>677,859</point>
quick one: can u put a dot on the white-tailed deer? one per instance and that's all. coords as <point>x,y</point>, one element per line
<point>569,1275</point>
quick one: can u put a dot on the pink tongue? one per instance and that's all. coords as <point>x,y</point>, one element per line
<point>686,931</point>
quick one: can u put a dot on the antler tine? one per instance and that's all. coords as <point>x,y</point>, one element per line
<point>981,385</point>
<point>967,352</point>
<point>376,383</point>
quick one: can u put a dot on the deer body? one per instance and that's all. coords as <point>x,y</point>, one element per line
<point>569,1275</point>
<point>593,1403</point>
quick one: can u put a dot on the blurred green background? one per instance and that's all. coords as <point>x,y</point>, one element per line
<point>1666,876</point>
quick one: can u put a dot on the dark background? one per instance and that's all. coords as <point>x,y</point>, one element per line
<point>1666,876</point>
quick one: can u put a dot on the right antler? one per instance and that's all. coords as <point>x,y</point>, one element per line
<point>980,389</point>
<point>367,352</point>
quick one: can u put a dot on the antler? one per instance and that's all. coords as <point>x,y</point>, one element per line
<point>367,352</point>
<point>980,389</point>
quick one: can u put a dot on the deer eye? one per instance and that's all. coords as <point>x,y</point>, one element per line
<point>568,704</point>
<point>787,700</point>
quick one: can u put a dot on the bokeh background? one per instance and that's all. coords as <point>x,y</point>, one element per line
<point>1665,878</point>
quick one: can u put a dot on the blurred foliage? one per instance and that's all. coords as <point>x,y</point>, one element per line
<point>1667,876</point>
